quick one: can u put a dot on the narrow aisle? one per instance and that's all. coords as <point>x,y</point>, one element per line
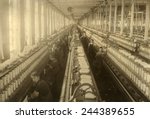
<point>108,88</point>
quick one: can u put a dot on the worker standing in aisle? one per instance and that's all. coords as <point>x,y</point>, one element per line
<point>98,62</point>
<point>91,50</point>
<point>84,40</point>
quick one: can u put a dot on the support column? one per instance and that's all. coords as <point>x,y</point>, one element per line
<point>64,22</point>
<point>132,18</point>
<point>60,20</point>
<point>142,21</point>
<point>39,15</point>
<point>147,20</point>
<point>100,19</point>
<point>91,19</point>
<point>88,21</point>
<point>56,17</point>
<point>97,23</point>
<point>115,16</point>
<point>106,18</point>
<point>33,21</point>
<point>103,20</point>
<point>57,20</point>
<point>95,20</point>
<point>110,15</point>
<point>48,19</point>
<point>52,21</point>
<point>42,20</point>
<point>122,18</point>
<point>45,18</point>
<point>1,46</point>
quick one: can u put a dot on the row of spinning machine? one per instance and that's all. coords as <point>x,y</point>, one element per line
<point>79,84</point>
<point>128,60</point>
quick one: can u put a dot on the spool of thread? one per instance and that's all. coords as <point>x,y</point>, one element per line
<point>23,77</point>
<point>23,65</point>
<point>18,70</point>
<point>3,97</point>
<point>13,74</point>
<point>5,80</point>
<point>16,83</point>
<point>145,76</point>
<point>6,94</point>
<point>147,91</point>
<point>141,85</point>
<point>1,84</point>
<point>14,86</point>
<point>9,90</point>
<point>19,80</point>
<point>10,76</point>
<point>148,77</point>
<point>0,97</point>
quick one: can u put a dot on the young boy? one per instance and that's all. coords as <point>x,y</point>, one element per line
<point>41,90</point>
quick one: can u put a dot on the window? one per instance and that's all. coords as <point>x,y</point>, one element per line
<point>14,27</point>
<point>37,31</point>
<point>28,25</point>
<point>42,20</point>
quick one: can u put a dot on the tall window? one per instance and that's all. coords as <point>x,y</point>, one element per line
<point>4,30</point>
<point>42,20</point>
<point>14,27</point>
<point>139,19</point>
<point>37,32</point>
<point>28,26</point>
<point>1,45</point>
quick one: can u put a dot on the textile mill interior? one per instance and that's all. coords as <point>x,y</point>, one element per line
<point>74,50</point>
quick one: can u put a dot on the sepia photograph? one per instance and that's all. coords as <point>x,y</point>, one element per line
<point>74,51</point>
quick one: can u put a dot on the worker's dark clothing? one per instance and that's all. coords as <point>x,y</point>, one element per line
<point>48,75</point>
<point>36,99</point>
<point>85,42</point>
<point>44,91</point>
<point>91,52</point>
<point>98,63</point>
